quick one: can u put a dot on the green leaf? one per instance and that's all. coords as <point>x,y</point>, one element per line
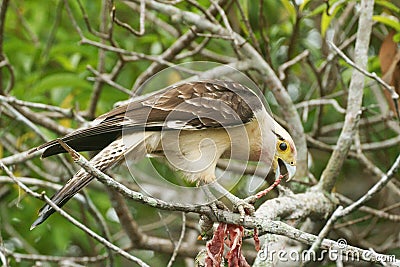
<point>396,38</point>
<point>69,63</point>
<point>325,21</point>
<point>245,7</point>
<point>318,10</point>
<point>303,5</point>
<point>328,15</point>
<point>389,21</point>
<point>290,9</point>
<point>61,80</point>
<point>388,5</point>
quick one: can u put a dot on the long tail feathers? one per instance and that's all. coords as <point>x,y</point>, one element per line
<point>71,188</point>
<point>106,158</point>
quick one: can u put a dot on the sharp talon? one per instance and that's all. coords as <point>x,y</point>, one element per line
<point>214,208</point>
<point>241,212</point>
<point>244,208</point>
<point>251,200</point>
<point>221,205</point>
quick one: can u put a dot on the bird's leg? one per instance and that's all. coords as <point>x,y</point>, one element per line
<point>252,199</point>
<point>215,204</point>
<point>239,204</point>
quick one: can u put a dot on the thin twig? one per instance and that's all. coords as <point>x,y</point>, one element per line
<point>375,212</point>
<point>6,63</point>
<point>3,11</point>
<point>196,50</point>
<point>214,36</point>
<point>3,252</point>
<point>319,102</point>
<point>131,228</point>
<point>106,78</point>
<point>332,56</point>
<point>102,224</point>
<point>19,183</point>
<point>72,18</point>
<point>228,26</point>
<point>10,146</point>
<point>98,84</point>
<point>375,189</point>
<point>46,258</point>
<point>292,43</point>
<point>65,112</point>
<point>133,56</point>
<point>20,157</point>
<point>87,22</point>
<point>372,75</point>
<point>180,44</point>
<point>206,12</point>
<point>142,17</point>
<point>38,183</point>
<point>282,68</point>
<point>178,245</point>
<point>248,27</point>
<point>22,118</point>
<point>263,28</point>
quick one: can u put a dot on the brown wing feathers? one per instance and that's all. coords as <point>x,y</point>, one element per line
<point>191,106</point>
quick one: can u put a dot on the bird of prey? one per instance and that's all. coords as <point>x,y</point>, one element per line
<point>191,124</point>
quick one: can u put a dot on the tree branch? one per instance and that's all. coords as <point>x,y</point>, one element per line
<point>328,177</point>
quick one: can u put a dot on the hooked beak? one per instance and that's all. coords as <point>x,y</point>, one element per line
<point>291,170</point>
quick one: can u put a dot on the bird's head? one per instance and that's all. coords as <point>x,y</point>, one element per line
<point>285,154</point>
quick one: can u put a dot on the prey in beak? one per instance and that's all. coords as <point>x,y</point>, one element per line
<point>285,169</point>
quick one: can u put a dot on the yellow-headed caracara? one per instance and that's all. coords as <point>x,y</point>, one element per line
<point>207,120</point>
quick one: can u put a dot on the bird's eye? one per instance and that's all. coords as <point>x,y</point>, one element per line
<point>283,146</point>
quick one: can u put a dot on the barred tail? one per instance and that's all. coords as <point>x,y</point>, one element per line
<point>69,190</point>
<point>109,156</point>
<point>136,144</point>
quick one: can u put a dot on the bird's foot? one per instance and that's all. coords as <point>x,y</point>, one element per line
<point>239,205</point>
<point>217,205</point>
<point>244,208</point>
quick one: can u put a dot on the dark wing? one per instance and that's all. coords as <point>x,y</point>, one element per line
<point>189,106</point>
